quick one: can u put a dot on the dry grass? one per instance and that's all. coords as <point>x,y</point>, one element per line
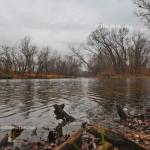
<point>36,76</point>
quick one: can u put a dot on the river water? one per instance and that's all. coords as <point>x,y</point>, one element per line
<point>30,102</point>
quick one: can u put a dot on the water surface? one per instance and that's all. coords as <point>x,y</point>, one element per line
<point>30,102</point>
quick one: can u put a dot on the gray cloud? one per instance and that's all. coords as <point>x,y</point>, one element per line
<point>60,22</point>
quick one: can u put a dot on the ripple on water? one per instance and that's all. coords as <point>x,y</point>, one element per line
<point>30,102</point>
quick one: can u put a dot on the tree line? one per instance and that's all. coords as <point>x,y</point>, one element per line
<point>27,58</point>
<point>118,50</point>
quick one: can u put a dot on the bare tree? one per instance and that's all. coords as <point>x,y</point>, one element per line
<point>42,60</point>
<point>26,61</point>
<point>72,66</point>
<point>116,51</point>
<point>29,51</point>
<point>77,52</point>
<point>139,52</point>
<point>144,10</point>
<point>112,43</point>
<point>6,60</point>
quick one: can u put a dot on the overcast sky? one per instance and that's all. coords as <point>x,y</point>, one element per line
<point>60,22</point>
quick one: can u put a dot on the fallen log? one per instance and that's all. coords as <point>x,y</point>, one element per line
<point>112,140</point>
<point>115,139</point>
<point>73,143</point>
<point>78,140</point>
<point>61,114</point>
<point>57,136</point>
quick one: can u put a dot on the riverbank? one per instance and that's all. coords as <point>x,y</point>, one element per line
<point>37,76</point>
<point>32,76</point>
<point>59,76</point>
<point>122,76</point>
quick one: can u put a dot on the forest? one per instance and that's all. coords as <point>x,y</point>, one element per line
<point>28,61</point>
<point>107,51</point>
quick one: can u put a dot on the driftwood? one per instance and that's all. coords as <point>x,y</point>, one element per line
<point>56,136</point>
<point>61,114</point>
<point>115,139</point>
<point>83,139</point>
<point>15,132</point>
<point>73,143</point>
<point>112,140</point>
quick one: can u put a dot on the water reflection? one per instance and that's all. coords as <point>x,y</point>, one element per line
<point>30,101</point>
<point>27,93</point>
<point>132,92</point>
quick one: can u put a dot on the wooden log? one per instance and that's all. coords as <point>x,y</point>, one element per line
<point>15,132</point>
<point>73,142</point>
<point>57,136</point>
<point>115,139</point>
<point>61,114</point>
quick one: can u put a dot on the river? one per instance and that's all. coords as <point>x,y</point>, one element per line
<point>30,102</point>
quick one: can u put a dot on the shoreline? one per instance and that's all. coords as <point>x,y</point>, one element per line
<point>36,76</point>
<point>122,76</point>
<point>61,76</point>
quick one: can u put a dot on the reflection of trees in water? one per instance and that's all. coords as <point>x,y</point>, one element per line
<point>110,91</point>
<point>132,92</point>
<point>139,92</point>
<point>43,91</point>
<point>6,92</point>
<point>49,90</point>
<point>27,92</point>
<point>18,95</point>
